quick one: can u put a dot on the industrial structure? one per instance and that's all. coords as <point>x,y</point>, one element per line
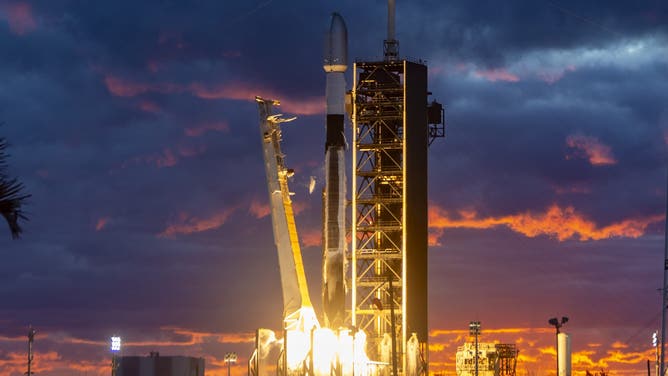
<point>306,348</point>
<point>393,125</point>
<point>298,313</point>
<point>494,359</point>
<point>156,365</point>
<point>385,313</point>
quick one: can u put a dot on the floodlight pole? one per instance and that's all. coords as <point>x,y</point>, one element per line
<point>31,339</point>
<point>229,359</point>
<point>556,347</point>
<point>557,325</point>
<point>115,349</point>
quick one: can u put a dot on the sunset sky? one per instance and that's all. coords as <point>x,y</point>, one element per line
<point>133,126</point>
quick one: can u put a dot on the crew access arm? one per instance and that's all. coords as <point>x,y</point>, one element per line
<point>298,313</point>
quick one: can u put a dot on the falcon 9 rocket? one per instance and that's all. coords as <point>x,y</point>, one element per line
<point>334,195</point>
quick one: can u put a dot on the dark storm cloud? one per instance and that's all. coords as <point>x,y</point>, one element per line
<point>612,96</point>
<point>490,33</point>
<point>134,38</point>
<point>89,158</point>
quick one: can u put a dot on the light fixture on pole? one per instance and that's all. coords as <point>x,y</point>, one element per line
<point>474,330</point>
<point>115,349</point>
<point>557,325</point>
<point>229,359</point>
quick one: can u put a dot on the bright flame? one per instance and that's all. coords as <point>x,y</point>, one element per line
<point>359,349</point>
<point>297,349</point>
<point>325,346</point>
<point>346,351</point>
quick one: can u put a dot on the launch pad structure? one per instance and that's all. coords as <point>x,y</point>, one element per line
<point>392,129</point>
<point>393,126</point>
<point>386,332</point>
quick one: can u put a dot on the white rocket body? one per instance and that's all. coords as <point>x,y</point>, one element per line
<point>334,195</point>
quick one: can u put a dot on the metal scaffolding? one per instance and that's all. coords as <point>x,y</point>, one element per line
<point>378,203</point>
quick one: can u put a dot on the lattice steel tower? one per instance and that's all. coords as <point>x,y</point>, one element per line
<point>393,125</point>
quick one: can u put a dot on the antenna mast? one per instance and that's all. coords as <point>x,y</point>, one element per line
<point>390,45</point>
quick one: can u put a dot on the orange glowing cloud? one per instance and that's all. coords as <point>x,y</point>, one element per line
<point>124,88</point>
<point>168,157</point>
<point>101,223</point>
<point>12,363</point>
<point>187,224</point>
<point>199,337</point>
<point>310,238</point>
<point>190,150</point>
<point>497,74</point>
<point>49,362</point>
<point>80,341</point>
<point>200,129</point>
<point>12,339</point>
<point>434,237</point>
<point>259,210</point>
<point>235,91</point>
<point>242,91</point>
<point>148,106</point>
<point>557,222</point>
<point>590,148</point>
<point>20,17</point>
<point>299,207</point>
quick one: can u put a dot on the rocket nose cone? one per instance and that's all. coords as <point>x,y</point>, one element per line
<point>338,26</point>
<point>336,45</point>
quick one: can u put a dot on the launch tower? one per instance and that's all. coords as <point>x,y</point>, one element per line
<point>393,125</point>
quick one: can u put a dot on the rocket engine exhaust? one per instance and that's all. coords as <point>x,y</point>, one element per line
<point>334,195</point>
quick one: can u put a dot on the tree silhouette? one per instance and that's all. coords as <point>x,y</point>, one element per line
<point>12,197</point>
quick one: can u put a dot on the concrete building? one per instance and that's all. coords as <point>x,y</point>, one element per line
<point>156,365</point>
